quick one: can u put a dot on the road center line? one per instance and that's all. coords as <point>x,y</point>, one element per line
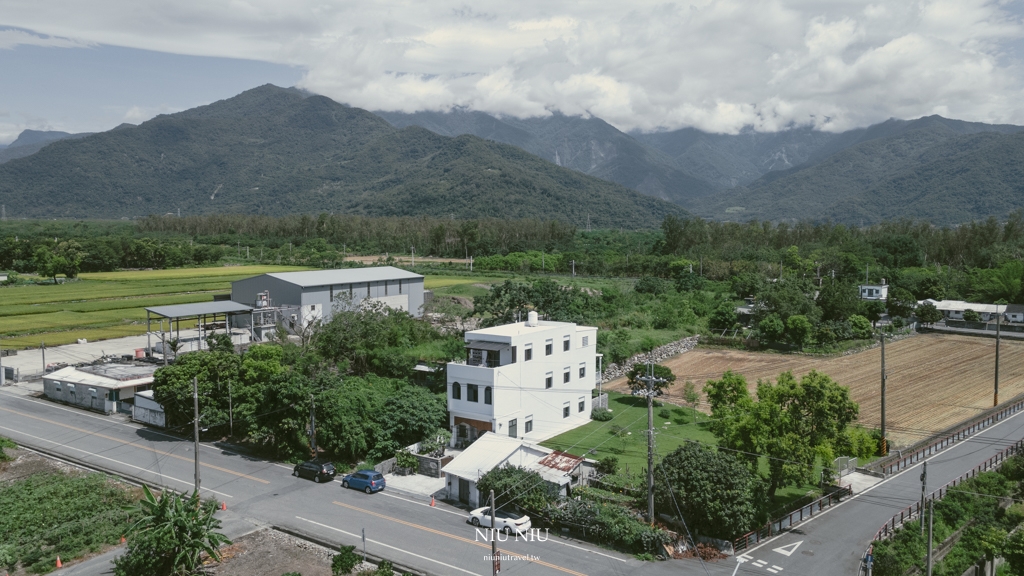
<point>357,536</point>
<point>459,538</point>
<point>158,474</point>
<point>135,444</point>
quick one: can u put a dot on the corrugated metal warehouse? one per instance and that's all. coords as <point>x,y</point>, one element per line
<point>105,388</point>
<point>316,291</point>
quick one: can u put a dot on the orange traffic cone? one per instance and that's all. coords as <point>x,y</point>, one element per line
<point>122,540</point>
<point>223,505</point>
<point>431,500</point>
<point>59,563</point>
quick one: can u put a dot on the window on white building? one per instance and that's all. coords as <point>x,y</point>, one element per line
<point>583,405</point>
<point>528,353</point>
<point>456,391</point>
<point>472,393</point>
<point>565,412</point>
<point>566,377</point>
<point>549,348</point>
<point>487,395</point>
<point>529,426</point>
<point>565,344</point>
<point>586,341</point>
<point>549,380</point>
<point>583,371</point>
<point>513,428</point>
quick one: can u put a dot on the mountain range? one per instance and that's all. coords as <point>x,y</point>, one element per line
<point>274,150</point>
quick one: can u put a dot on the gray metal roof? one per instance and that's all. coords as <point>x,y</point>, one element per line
<point>344,276</point>
<point>199,309</point>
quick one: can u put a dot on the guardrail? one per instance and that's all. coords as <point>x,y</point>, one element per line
<point>914,510</point>
<point>792,519</point>
<point>978,423</point>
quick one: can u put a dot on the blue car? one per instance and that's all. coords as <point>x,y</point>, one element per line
<point>368,481</point>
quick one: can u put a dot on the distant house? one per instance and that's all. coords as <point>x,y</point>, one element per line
<point>954,309</point>
<point>490,451</point>
<point>874,291</point>
<point>529,380</point>
<point>3,276</point>
<point>106,388</point>
<point>1014,312</point>
<point>745,313</point>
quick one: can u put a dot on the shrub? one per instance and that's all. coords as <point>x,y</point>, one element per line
<point>608,465</point>
<point>5,443</point>
<point>860,326</point>
<point>665,413</point>
<point>385,568</point>
<point>344,561</point>
<point>601,414</point>
<point>405,459</point>
<point>972,316</point>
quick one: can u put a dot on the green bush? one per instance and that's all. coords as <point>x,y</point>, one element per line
<point>344,561</point>
<point>665,413</point>
<point>608,465</point>
<point>601,414</point>
<point>406,459</point>
<point>858,442</point>
<point>5,443</point>
<point>385,568</point>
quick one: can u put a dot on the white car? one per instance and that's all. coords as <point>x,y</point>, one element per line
<point>507,522</point>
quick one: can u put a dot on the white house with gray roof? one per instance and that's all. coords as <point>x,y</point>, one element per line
<point>314,292</point>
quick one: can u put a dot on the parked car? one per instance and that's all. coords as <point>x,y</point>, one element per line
<point>318,470</point>
<point>368,481</point>
<point>507,522</point>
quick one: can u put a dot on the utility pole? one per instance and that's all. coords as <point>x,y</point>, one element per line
<point>413,248</point>
<point>42,347</point>
<point>885,442</point>
<point>312,424</point>
<point>995,395</point>
<point>495,559</point>
<point>650,381</point>
<point>931,518</point>
<point>231,413</point>
<point>3,375</point>
<point>924,486</point>
<point>195,422</point>
<point>574,268</point>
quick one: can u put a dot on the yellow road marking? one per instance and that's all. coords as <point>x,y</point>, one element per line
<point>135,444</point>
<point>459,538</point>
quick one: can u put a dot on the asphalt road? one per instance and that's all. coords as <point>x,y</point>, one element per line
<point>437,540</point>
<point>402,528</point>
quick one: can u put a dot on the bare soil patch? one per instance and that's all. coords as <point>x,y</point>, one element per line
<point>272,553</point>
<point>26,463</point>
<point>935,380</point>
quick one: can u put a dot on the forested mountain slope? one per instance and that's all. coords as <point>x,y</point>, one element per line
<point>277,151</point>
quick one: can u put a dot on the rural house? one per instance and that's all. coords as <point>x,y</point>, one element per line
<point>1014,312</point>
<point>492,451</point>
<point>954,309</point>
<point>531,380</point>
<point>106,388</point>
<point>874,291</point>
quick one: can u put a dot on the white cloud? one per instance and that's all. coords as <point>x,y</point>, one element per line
<point>13,37</point>
<point>719,65</point>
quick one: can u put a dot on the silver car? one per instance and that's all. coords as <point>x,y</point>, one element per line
<point>507,522</point>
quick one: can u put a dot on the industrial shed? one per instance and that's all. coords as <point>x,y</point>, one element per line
<point>105,388</point>
<point>314,293</point>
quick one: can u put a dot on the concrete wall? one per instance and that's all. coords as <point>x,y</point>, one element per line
<point>406,294</point>
<point>78,395</point>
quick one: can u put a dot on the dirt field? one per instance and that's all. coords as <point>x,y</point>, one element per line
<point>935,381</point>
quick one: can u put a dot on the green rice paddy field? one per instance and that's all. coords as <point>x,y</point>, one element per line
<point>107,305</point>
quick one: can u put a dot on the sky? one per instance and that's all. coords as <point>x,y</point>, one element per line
<point>718,65</point>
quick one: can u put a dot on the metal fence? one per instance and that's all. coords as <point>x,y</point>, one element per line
<point>914,511</point>
<point>901,462</point>
<point>790,520</point>
<point>844,465</point>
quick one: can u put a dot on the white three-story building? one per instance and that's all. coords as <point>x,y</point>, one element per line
<point>529,380</point>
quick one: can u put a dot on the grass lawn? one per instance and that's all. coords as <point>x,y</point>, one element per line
<point>107,305</point>
<point>624,436</point>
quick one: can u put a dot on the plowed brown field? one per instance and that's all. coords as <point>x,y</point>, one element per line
<point>935,381</point>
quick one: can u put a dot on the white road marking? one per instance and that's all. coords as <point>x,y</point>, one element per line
<point>357,536</point>
<point>157,474</point>
<point>788,549</point>
<point>893,477</point>
<point>776,567</point>
<point>772,571</point>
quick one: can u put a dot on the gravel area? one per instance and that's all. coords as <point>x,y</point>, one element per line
<point>272,553</point>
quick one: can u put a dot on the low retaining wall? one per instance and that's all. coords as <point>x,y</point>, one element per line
<point>599,402</point>
<point>613,371</point>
